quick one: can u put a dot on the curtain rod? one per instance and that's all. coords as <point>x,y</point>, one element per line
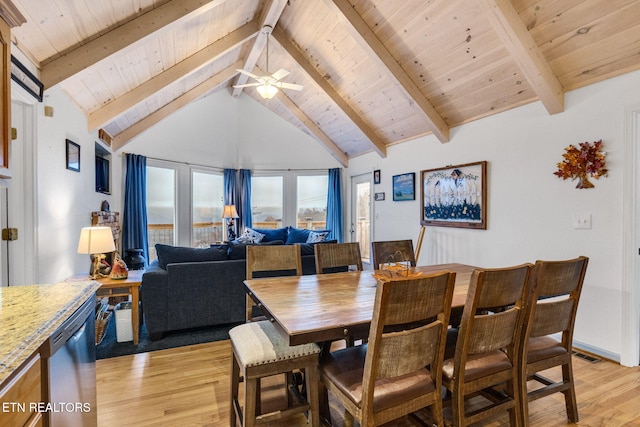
<point>173,161</point>
<point>222,169</point>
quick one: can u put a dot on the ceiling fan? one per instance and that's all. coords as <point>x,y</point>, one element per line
<point>268,84</point>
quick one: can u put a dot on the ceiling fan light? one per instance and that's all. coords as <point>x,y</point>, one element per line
<point>267,91</point>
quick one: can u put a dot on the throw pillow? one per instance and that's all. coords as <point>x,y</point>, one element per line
<point>317,236</point>
<point>297,235</point>
<point>168,254</point>
<point>250,236</point>
<point>271,235</point>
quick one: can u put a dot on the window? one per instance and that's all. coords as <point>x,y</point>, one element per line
<point>184,205</point>
<point>267,201</point>
<point>206,217</point>
<point>294,199</point>
<point>161,207</point>
<point>312,201</point>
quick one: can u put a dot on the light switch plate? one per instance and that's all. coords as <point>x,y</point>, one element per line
<point>582,222</point>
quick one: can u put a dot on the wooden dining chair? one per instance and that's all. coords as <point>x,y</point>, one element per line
<point>392,251</point>
<point>270,261</point>
<point>399,371</point>
<point>333,257</point>
<point>552,305</point>
<point>487,344</point>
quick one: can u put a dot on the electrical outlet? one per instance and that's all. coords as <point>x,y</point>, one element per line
<point>582,222</point>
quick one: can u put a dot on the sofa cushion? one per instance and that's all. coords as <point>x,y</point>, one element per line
<point>168,254</point>
<point>238,249</point>
<point>273,234</point>
<point>308,248</point>
<point>250,236</point>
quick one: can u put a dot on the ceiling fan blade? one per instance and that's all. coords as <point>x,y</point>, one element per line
<point>281,73</point>
<point>247,85</point>
<point>291,86</point>
<point>247,73</point>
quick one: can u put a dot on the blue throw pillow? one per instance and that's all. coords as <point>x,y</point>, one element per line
<point>168,254</point>
<point>273,234</point>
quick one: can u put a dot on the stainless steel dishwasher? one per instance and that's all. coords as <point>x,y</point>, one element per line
<point>70,366</point>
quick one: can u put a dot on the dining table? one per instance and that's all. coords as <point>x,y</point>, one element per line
<point>322,308</point>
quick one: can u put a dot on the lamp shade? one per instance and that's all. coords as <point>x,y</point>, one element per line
<point>96,240</point>
<point>229,211</point>
<point>267,91</point>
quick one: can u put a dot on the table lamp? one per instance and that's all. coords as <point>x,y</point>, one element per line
<point>230,213</point>
<point>96,241</point>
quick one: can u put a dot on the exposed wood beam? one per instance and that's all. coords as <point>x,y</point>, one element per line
<point>377,142</point>
<point>367,39</point>
<point>270,17</point>
<point>313,129</point>
<point>214,82</point>
<point>191,64</point>
<point>526,53</point>
<point>11,14</point>
<point>87,54</point>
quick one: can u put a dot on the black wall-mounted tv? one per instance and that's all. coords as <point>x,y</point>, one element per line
<point>102,175</point>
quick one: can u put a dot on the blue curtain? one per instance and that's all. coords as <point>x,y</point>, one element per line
<point>134,221</point>
<point>334,205</point>
<point>244,200</point>
<point>230,187</point>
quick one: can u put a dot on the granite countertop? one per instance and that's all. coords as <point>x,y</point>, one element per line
<point>30,314</point>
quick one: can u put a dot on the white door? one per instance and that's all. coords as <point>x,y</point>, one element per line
<point>17,201</point>
<point>360,226</point>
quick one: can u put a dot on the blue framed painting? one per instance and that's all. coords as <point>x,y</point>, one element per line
<point>404,187</point>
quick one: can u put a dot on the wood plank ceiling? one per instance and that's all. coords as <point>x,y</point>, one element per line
<point>375,72</point>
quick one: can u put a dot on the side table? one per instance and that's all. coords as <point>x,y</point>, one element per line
<point>121,287</point>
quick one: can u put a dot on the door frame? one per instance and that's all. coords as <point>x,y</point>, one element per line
<point>357,179</point>
<point>630,290</point>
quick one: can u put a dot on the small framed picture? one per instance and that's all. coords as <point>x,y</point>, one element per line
<point>404,187</point>
<point>73,156</point>
<point>376,176</point>
<point>378,196</point>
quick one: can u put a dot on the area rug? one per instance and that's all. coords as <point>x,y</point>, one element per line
<point>109,347</point>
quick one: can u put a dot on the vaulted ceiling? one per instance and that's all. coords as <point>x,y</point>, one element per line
<point>374,72</point>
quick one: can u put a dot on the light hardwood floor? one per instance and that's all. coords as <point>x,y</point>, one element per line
<point>189,386</point>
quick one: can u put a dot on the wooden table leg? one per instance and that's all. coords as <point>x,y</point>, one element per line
<point>135,320</point>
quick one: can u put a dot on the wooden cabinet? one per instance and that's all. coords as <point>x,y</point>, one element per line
<point>5,97</point>
<point>10,17</point>
<point>22,394</point>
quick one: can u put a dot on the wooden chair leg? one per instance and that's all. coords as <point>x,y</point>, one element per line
<point>437,415</point>
<point>570,394</point>
<point>235,383</point>
<point>250,393</point>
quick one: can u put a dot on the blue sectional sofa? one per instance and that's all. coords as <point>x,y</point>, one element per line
<point>197,287</point>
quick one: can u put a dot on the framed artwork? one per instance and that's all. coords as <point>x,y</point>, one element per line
<point>376,176</point>
<point>454,196</point>
<point>404,187</point>
<point>73,156</point>
<point>378,196</point>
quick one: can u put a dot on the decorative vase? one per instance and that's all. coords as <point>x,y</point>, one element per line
<point>583,181</point>
<point>134,259</point>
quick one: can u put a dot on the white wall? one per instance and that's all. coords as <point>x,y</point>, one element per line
<point>226,132</point>
<point>65,198</point>
<point>530,210</point>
